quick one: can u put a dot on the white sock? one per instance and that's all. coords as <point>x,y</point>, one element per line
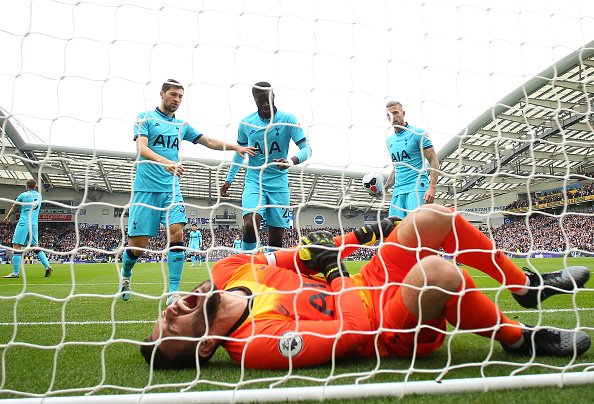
<point>517,344</point>
<point>523,291</point>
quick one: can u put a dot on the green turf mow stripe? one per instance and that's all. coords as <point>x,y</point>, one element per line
<point>152,321</point>
<point>79,322</point>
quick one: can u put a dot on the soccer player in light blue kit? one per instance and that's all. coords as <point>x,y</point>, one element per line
<point>409,146</point>
<point>195,237</point>
<point>26,230</point>
<point>237,244</point>
<point>158,135</point>
<point>266,187</point>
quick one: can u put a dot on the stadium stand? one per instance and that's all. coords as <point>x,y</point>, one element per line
<point>62,239</point>
<point>550,199</point>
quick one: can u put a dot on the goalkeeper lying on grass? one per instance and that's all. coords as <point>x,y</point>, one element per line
<point>271,311</point>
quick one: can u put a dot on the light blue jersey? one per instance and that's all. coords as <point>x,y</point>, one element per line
<point>271,142</point>
<point>195,239</point>
<point>26,230</point>
<point>237,245</point>
<point>164,137</point>
<point>406,148</point>
<point>30,202</point>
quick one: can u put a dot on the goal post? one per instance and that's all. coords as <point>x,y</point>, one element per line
<point>319,393</point>
<point>509,111</point>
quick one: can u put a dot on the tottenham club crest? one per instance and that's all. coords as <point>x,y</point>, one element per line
<point>290,344</point>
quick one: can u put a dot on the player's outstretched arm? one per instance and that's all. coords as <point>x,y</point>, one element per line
<point>217,144</point>
<point>366,235</point>
<point>350,242</point>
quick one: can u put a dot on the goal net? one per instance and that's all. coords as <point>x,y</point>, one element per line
<point>503,89</point>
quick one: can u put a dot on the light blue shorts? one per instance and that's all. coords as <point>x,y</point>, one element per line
<point>21,234</point>
<point>166,208</point>
<point>274,206</point>
<point>403,204</point>
<point>194,247</point>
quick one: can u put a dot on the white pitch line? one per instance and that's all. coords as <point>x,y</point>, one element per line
<point>91,284</point>
<point>550,310</point>
<point>152,321</point>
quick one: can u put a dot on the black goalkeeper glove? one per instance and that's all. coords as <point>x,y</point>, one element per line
<point>370,233</point>
<point>320,253</point>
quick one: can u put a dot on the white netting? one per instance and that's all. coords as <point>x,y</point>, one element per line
<point>76,73</point>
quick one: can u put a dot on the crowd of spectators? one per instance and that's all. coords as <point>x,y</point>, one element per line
<point>546,233</point>
<point>548,197</point>
<point>555,196</point>
<point>63,242</point>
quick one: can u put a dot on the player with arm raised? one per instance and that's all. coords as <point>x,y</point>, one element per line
<point>270,131</point>
<point>409,146</point>
<point>270,311</point>
<point>195,244</point>
<point>158,134</point>
<point>26,232</point>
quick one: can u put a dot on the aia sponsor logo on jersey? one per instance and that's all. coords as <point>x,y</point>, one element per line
<point>169,142</point>
<point>290,344</point>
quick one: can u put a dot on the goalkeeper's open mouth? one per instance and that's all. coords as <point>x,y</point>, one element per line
<point>191,302</point>
<point>188,303</point>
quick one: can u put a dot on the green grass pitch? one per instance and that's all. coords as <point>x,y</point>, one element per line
<point>68,334</point>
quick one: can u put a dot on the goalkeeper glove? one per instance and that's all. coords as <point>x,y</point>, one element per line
<point>370,233</point>
<point>320,253</point>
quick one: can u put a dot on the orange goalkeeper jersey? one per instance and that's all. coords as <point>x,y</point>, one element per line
<point>293,319</point>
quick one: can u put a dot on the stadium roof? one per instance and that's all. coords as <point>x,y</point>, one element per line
<point>542,130</point>
<point>112,171</point>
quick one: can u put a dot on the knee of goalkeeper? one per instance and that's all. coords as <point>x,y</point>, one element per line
<point>370,233</point>
<point>318,252</point>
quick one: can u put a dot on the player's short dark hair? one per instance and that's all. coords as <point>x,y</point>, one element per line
<point>171,83</point>
<point>194,224</point>
<point>185,359</point>
<point>257,88</point>
<point>31,183</point>
<point>393,104</point>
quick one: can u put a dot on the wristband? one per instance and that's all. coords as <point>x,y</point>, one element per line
<point>338,271</point>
